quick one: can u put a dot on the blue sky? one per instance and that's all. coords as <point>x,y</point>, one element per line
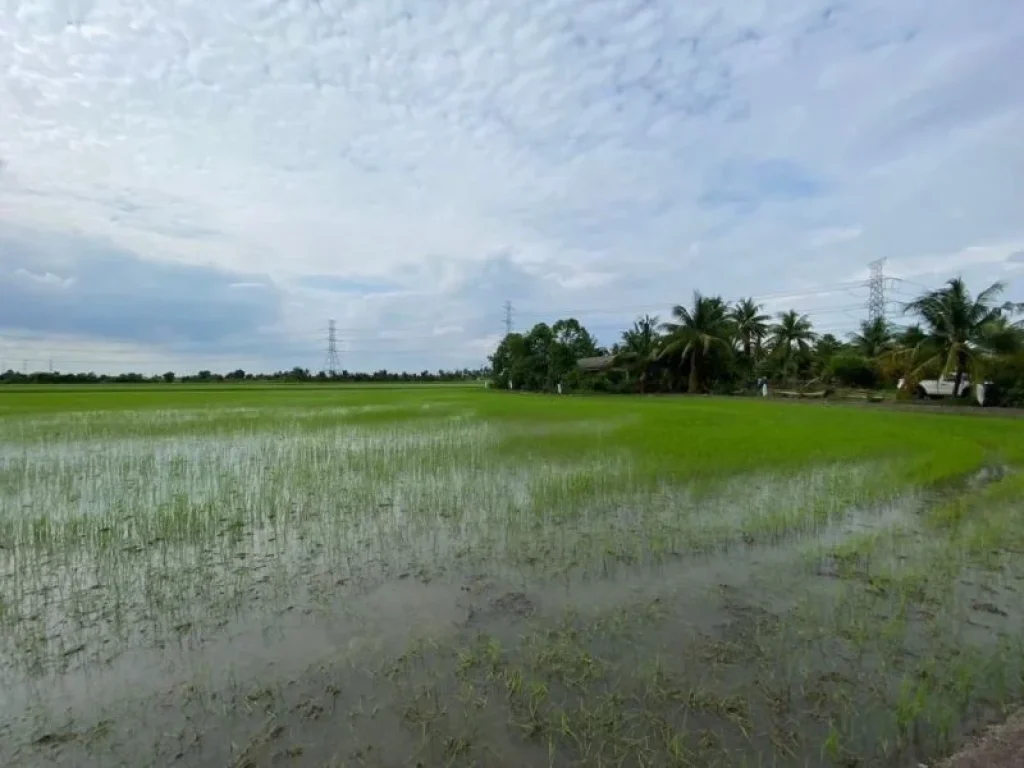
<point>203,184</point>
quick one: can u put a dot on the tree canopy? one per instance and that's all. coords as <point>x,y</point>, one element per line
<point>710,345</point>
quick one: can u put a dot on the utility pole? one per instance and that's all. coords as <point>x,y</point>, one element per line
<point>876,291</point>
<point>508,318</point>
<point>331,361</point>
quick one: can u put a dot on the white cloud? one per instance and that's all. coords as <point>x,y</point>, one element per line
<point>988,257</point>
<point>579,281</point>
<point>828,236</point>
<point>562,155</point>
<point>43,279</point>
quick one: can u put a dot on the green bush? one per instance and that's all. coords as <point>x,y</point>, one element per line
<point>853,370</point>
<point>1007,377</point>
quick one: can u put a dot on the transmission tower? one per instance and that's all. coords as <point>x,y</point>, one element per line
<point>331,361</point>
<point>508,317</point>
<point>876,291</point>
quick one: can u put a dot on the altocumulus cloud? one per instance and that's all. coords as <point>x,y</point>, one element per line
<point>252,168</point>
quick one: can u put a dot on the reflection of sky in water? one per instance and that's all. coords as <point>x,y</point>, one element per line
<point>64,426</point>
<point>155,541</point>
<point>238,557</point>
<point>136,474</point>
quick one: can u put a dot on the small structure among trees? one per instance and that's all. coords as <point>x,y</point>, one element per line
<point>543,357</point>
<point>595,364</point>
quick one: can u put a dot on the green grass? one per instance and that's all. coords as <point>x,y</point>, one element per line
<point>504,578</point>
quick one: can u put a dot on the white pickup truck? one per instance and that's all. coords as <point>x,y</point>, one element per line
<point>941,387</point>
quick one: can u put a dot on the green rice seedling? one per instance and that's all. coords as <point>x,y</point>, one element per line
<point>623,581</point>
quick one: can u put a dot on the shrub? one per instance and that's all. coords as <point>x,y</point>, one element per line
<point>853,370</point>
<point>1007,377</point>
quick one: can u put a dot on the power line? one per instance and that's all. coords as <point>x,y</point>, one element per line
<point>39,361</point>
<point>921,286</point>
<point>225,346</point>
<point>208,354</point>
<point>830,289</point>
<point>291,340</point>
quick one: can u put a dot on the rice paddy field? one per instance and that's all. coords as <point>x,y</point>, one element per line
<point>304,576</point>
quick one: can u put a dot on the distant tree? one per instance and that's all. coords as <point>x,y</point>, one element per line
<point>577,339</point>
<point>958,326</point>
<point>168,377</point>
<point>853,370</point>
<point>1007,376</point>
<point>750,326</point>
<point>874,339</point>
<point>543,357</point>
<point>638,349</point>
<point>908,348</point>
<point>540,342</point>
<point>509,361</point>
<point>694,334</point>
<point>1002,336</point>
<point>791,338</point>
<point>571,342</point>
<point>827,346</point>
<point>911,336</point>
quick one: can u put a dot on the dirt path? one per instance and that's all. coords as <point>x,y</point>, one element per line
<point>1001,746</point>
<point>911,407</point>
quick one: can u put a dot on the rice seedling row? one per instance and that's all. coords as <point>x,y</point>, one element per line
<point>456,577</point>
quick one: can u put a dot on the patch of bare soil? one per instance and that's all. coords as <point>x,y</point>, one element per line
<point>1001,746</point>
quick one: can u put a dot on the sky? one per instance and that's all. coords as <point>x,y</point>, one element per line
<point>198,184</point>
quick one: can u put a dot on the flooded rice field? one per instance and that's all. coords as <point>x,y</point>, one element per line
<point>440,581</point>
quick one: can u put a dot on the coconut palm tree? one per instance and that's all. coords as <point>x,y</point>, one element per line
<point>911,337</point>
<point>639,347</point>
<point>696,332</point>
<point>907,348</point>
<point>959,327</point>
<point>750,326</point>
<point>790,336</point>
<point>874,339</point>
<point>826,346</point>
<point>1002,336</point>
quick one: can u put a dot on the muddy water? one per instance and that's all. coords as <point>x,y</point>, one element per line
<point>283,686</point>
<point>373,598</point>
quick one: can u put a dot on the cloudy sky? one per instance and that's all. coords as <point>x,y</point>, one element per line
<point>198,183</point>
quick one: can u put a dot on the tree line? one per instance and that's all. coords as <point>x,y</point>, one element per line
<point>713,346</point>
<point>294,375</point>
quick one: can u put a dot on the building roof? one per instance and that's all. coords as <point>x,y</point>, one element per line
<point>595,363</point>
